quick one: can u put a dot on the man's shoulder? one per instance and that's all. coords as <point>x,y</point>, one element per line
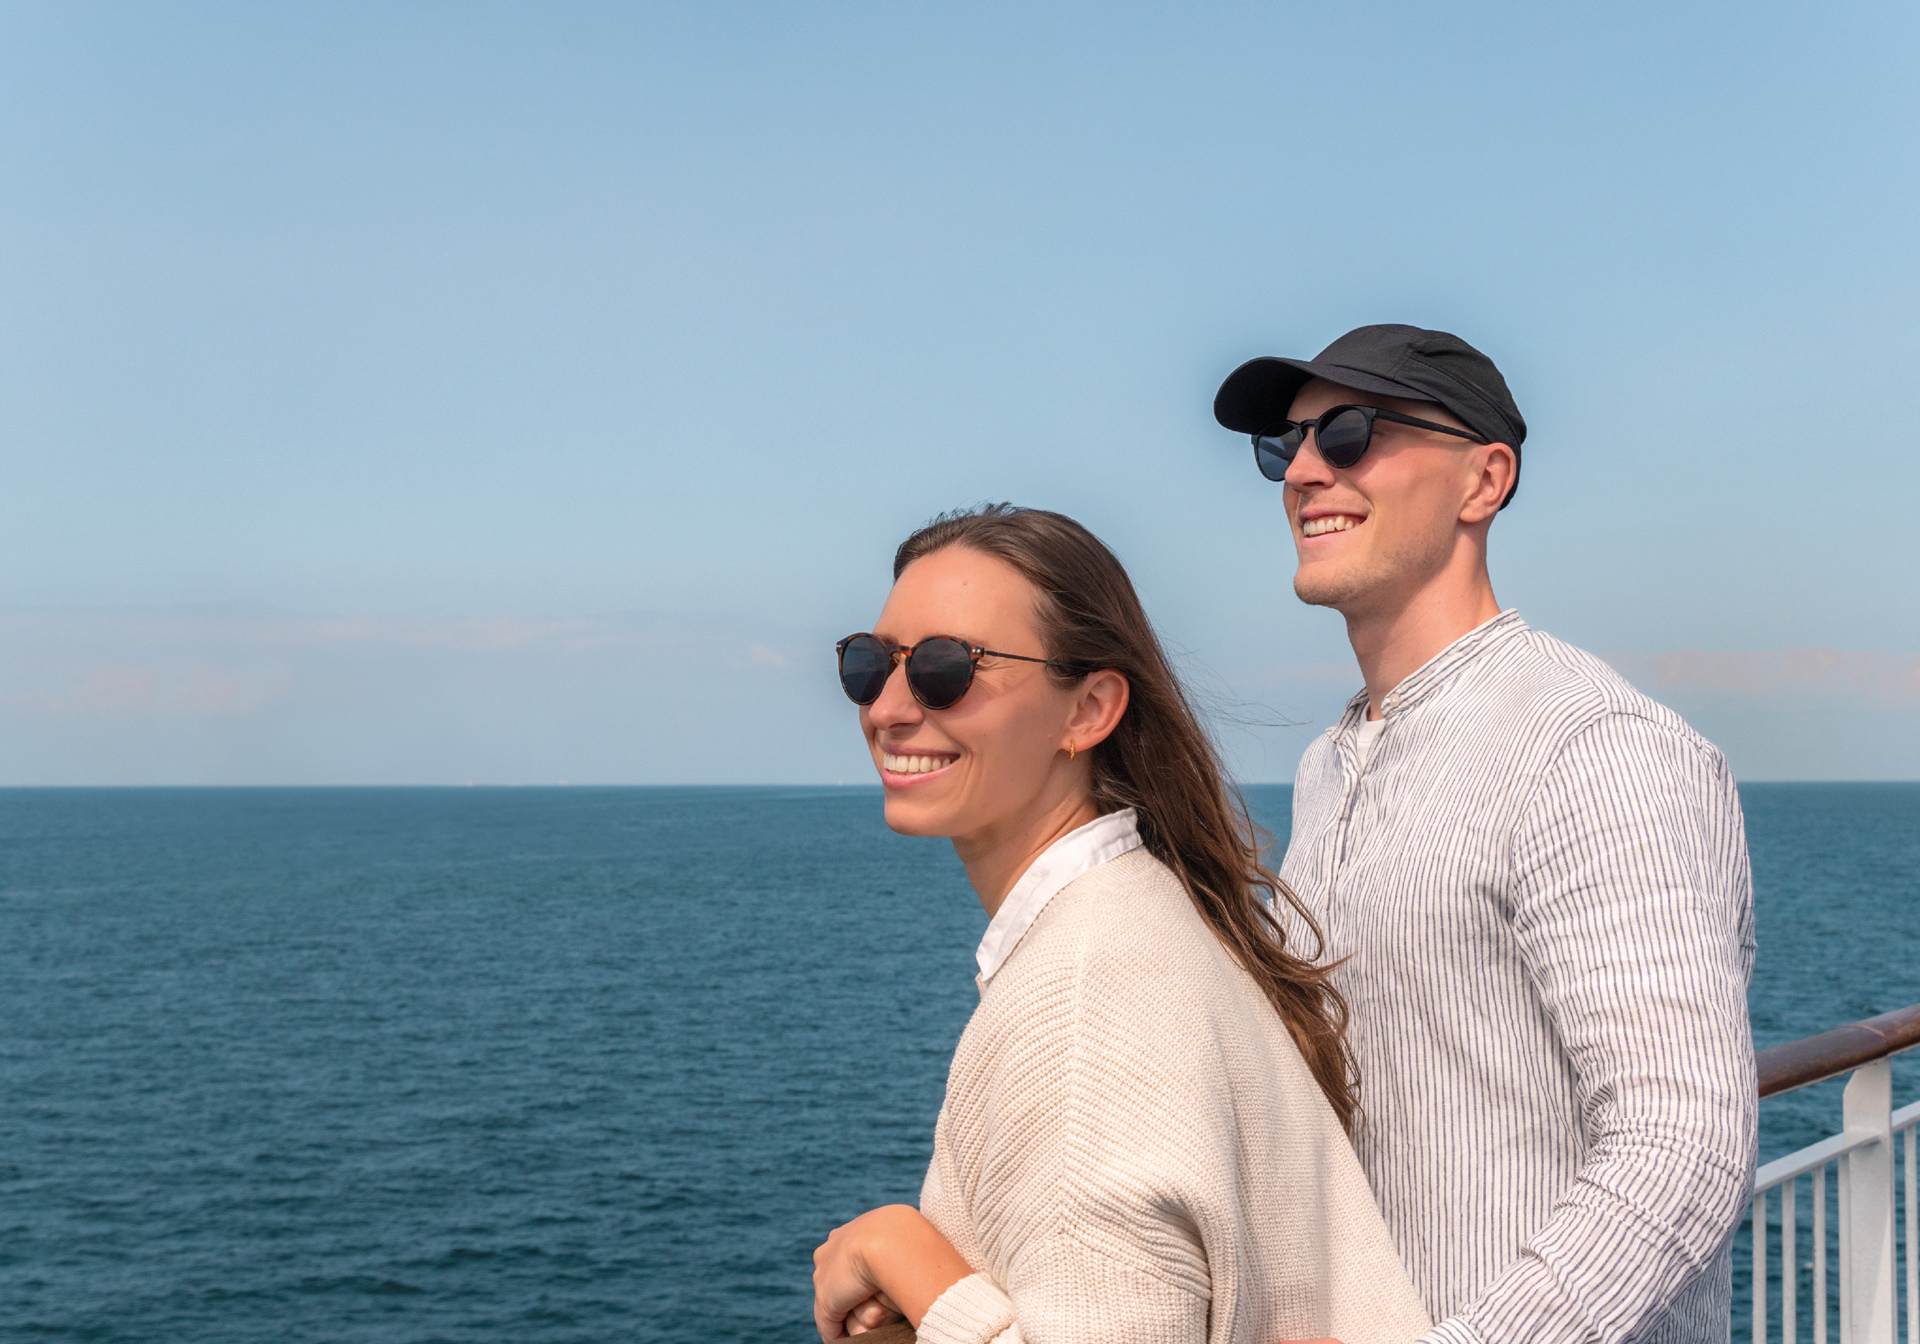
<point>1318,779</point>
<point>1320,752</point>
<point>1564,692</point>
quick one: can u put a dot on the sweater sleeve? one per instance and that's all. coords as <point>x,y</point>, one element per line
<point>975,1310</point>
<point>1098,1161</point>
<point>1084,1297</point>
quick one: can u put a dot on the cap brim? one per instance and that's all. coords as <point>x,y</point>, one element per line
<point>1259,393</point>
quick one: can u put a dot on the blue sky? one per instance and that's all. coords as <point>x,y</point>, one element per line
<point>532,393</point>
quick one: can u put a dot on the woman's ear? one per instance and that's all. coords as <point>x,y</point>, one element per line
<point>1097,706</point>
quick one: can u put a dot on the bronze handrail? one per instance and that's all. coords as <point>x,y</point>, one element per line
<point>1832,1053</point>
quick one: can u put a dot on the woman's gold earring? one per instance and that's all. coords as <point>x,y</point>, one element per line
<point>1069,751</point>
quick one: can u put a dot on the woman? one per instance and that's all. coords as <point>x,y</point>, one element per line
<point>1143,1134</point>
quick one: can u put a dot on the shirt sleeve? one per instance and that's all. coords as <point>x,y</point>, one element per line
<point>1632,902</point>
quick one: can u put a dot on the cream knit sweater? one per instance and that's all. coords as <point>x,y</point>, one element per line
<point>1132,1148</point>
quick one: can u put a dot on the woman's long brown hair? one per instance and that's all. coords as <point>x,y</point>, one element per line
<point>1161,762</point>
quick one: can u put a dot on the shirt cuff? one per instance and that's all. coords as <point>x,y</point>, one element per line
<point>972,1311</point>
<point>1453,1330</point>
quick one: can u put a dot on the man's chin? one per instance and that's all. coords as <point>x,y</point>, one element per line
<point>1325,590</point>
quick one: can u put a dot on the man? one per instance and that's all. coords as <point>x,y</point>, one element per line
<point>1536,876</point>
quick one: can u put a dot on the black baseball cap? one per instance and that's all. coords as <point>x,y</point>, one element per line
<point>1387,360</point>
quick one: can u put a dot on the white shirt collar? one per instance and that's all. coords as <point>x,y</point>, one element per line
<point>1103,838</point>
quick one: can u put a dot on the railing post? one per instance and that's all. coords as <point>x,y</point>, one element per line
<point>1866,1268</point>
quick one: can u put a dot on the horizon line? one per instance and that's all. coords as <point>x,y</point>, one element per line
<point>762,784</point>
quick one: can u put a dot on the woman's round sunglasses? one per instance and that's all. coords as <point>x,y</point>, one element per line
<point>1342,434</point>
<point>939,668</point>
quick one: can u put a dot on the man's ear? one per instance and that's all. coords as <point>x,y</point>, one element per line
<point>1497,467</point>
<point>1097,707</point>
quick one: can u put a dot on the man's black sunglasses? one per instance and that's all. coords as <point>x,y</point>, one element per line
<point>939,668</point>
<point>1341,433</point>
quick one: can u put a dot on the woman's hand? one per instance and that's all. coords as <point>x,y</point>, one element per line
<point>875,1312</point>
<point>892,1258</point>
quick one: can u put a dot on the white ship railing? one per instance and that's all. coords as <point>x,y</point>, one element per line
<point>1846,1264</point>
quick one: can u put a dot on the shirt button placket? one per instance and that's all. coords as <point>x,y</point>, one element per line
<point>1337,851</point>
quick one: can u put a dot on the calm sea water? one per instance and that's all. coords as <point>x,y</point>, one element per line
<point>570,1064</point>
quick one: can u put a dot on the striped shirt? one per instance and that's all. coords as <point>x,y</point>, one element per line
<point>1539,879</point>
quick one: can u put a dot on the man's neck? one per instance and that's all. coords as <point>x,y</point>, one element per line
<point>1392,643</point>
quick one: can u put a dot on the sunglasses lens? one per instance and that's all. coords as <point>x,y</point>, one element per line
<point>864,667</point>
<point>1273,452</point>
<point>1343,439</point>
<point>939,672</point>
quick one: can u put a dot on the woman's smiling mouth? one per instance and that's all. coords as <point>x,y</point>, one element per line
<point>914,765</point>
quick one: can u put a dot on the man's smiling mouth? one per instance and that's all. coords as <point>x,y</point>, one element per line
<point>1333,522</point>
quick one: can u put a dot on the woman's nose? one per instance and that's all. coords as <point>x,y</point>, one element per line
<point>896,705</point>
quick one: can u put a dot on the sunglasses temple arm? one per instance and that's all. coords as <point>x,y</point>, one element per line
<point>1428,424</point>
<point>1022,658</point>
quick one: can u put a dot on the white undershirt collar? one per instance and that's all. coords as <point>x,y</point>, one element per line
<point>1365,735</point>
<point>1103,838</point>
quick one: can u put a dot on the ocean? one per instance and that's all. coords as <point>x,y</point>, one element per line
<point>572,1064</point>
